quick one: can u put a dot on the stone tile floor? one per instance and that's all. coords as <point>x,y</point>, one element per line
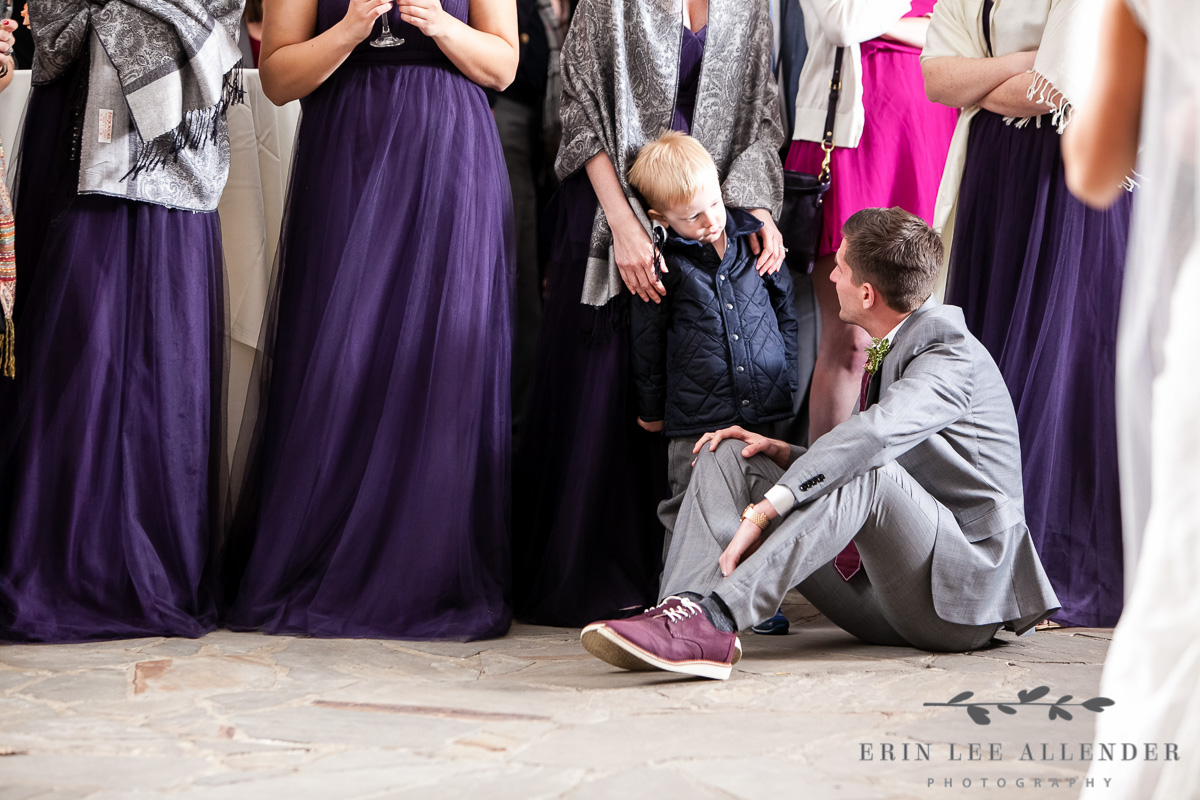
<point>236,715</point>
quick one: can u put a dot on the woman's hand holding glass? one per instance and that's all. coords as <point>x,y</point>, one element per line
<point>427,16</point>
<point>361,15</point>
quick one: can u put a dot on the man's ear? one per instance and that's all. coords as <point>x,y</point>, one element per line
<point>870,297</point>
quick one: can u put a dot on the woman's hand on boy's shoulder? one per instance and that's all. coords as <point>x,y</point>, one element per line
<point>767,243</point>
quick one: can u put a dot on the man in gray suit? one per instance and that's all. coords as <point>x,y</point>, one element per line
<point>904,525</point>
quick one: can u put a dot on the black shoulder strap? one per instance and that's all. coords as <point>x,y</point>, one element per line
<point>835,89</point>
<point>987,25</point>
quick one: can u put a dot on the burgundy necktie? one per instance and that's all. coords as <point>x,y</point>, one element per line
<point>847,562</point>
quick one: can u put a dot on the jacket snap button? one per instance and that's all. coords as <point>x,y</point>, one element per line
<point>722,277</point>
<point>745,402</point>
<point>741,369</point>
<point>729,306</point>
<point>735,337</point>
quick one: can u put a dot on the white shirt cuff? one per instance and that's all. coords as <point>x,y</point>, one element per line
<point>781,498</point>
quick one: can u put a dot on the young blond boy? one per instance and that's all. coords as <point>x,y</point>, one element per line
<point>720,349</point>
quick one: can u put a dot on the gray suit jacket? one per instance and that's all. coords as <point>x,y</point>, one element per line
<point>944,415</point>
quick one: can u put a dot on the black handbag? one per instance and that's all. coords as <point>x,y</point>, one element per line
<point>803,215</point>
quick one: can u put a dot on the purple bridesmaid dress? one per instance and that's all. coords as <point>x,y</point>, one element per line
<point>1038,275</point>
<point>110,436</point>
<point>377,497</point>
<point>587,479</point>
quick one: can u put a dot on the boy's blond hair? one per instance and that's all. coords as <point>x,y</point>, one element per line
<point>670,170</point>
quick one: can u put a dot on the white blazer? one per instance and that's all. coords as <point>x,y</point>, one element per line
<point>828,25</point>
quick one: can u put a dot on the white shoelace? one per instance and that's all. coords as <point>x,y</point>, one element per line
<point>687,609</point>
<point>665,601</point>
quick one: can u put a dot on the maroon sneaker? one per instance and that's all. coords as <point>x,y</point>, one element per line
<point>675,636</point>
<point>602,648</point>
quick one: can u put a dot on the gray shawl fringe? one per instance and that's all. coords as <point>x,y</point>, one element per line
<point>620,72</point>
<point>161,76</point>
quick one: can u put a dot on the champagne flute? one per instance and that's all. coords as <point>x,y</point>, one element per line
<point>384,39</point>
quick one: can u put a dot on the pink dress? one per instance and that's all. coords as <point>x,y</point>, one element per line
<point>900,158</point>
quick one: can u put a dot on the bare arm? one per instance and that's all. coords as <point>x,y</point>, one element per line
<point>294,59</point>
<point>910,31</point>
<point>484,48</point>
<point>849,22</point>
<point>1100,144</point>
<point>963,82</point>
<point>1009,98</point>
<point>609,192</point>
<point>632,247</point>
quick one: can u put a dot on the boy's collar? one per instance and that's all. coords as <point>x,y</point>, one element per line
<point>738,223</point>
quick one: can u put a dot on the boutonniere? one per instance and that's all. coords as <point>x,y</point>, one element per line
<point>875,353</point>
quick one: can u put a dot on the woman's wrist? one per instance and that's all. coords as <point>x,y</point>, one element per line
<point>1020,61</point>
<point>623,222</point>
<point>345,37</point>
<point>446,27</point>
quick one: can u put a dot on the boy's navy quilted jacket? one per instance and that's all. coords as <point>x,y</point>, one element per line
<point>721,347</point>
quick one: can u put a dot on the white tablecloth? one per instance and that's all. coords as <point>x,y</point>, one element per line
<point>12,104</point>
<point>260,137</point>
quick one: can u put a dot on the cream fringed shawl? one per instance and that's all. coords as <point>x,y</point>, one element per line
<point>620,69</point>
<point>1065,34</point>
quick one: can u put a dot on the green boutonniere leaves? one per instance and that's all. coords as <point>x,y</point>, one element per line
<point>875,353</point>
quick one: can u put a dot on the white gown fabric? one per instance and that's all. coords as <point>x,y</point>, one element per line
<point>1153,666</point>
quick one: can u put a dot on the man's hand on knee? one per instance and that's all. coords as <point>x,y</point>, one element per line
<point>777,451</point>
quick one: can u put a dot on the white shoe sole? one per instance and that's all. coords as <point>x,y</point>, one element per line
<point>610,647</point>
<point>602,648</point>
<point>630,661</point>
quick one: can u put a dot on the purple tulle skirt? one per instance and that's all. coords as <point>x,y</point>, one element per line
<point>587,543</point>
<point>1038,275</point>
<point>588,480</point>
<point>377,503</point>
<point>110,437</point>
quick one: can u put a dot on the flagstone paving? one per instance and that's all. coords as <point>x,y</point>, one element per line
<point>237,715</point>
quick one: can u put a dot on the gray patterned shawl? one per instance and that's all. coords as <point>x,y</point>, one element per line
<point>161,75</point>
<point>620,70</point>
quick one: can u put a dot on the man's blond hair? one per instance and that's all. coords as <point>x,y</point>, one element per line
<point>670,171</point>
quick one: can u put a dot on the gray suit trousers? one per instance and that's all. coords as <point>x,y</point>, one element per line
<point>891,519</point>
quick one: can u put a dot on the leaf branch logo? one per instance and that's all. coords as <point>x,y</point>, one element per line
<point>978,712</point>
